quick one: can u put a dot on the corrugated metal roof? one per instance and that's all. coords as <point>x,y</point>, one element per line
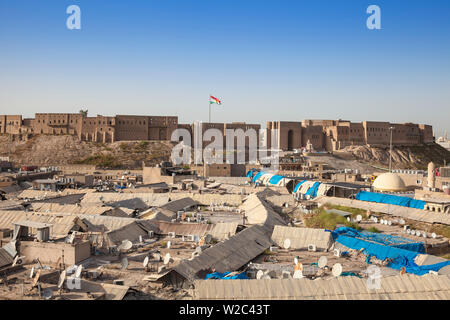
<point>180,204</point>
<point>258,211</point>
<point>130,232</point>
<point>105,223</point>
<point>69,209</point>
<point>127,200</point>
<point>5,258</point>
<point>399,211</point>
<point>223,230</point>
<point>38,194</point>
<point>199,229</point>
<point>302,237</point>
<point>61,224</point>
<point>429,287</point>
<point>229,255</point>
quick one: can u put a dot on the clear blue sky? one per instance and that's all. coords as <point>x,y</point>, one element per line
<point>267,60</point>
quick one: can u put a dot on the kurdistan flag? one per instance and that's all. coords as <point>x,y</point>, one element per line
<point>214,100</point>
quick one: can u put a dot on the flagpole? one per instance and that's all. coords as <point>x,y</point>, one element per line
<point>209,111</point>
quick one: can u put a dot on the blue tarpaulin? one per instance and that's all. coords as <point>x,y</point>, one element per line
<point>250,173</point>
<point>218,275</point>
<point>312,191</point>
<point>275,179</point>
<point>390,199</point>
<point>386,247</point>
<point>258,175</point>
<point>298,185</point>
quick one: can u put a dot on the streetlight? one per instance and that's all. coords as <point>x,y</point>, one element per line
<point>390,151</point>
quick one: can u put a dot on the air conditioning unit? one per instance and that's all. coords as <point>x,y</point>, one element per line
<point>171,234</point>
<point>312,247</point>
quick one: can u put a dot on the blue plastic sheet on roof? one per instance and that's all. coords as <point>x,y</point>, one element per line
<point>251,172</point>
<point>275,179</point>
<point>312,191</point>
<point>258,175</point>
<point>390,199</point>
<point>298,185</point>
<point>218,275</point>
<point>387,247</point>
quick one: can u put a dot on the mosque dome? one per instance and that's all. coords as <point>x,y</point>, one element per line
<point>389,182</point>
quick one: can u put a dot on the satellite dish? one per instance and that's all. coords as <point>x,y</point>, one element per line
<point>62,277</point>
<point>47,294</point>
<point>208,238</point>
<point>381,221</point>
<point>408,231</point>
<point>418,233</point>
<point>259,274</point>
<point>15,260</point>
<point>337,270</point>
<point>287,243</point>
<point>266,277</point>
<point>167,258</point>
<point>71,237</point>
<point>296,260</point>
<point>348,219</point>
<point>322,262</point>
<point>32,272</point>
<point>359,218</point>
<point>168,244</point>
<point>375,220</point>
<point>298,274</point>
<point>424,234</point>
<point>413,232</point>
<point>385,222</point>
<point>198,250</point>
<point>78,272</point>
<point>389,223</point>
<point>157,256</point>
<point>433,235</point>
<point>145,263</point>
<point>401,221</point>
<point>126,245</point>
<point>124,263</point>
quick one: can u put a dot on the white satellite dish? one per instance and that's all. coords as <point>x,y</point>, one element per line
<point>359,218</point>
<point>62,277</point>
<point>348,219</point>
<point>157,256</point>
<point>337,270</point>
<point>322,262</point>
<point>381,221</point>
<point>433,235</point>
<point>385,222</point>
<point>32,272</point>
<point>418,233</point>
<point>168,244</point>
<point>125,245</point>
<point>47,294</point>
<point>266,277</point>
<point>298,274</point>
<point>78,272</point>
<point>259,274</point>
<point>145,263</point>
<point>208,238</point>
<point>198,250</point>
<point>408,231</point>
<point>424,234</point>
<point>375,220</point>
<point>167,258</point>
<point>389,223</point>
<point>413,232</point>
<point>287,243</point>
<point>124,263</point>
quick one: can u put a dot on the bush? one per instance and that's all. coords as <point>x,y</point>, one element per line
<point>328,220</point>
<point>374,230</point>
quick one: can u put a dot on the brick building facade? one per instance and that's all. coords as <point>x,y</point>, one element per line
<point>331,135</point>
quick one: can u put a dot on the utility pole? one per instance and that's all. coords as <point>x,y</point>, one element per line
<point>390,151</point>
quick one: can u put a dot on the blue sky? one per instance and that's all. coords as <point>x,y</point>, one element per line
<point>267,60</point>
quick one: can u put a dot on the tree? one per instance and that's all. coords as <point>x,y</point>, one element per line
<point>84,112</point>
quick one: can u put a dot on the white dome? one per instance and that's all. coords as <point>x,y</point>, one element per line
<point>389,182</point>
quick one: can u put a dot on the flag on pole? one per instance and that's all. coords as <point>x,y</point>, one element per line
<point>214,100</point>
